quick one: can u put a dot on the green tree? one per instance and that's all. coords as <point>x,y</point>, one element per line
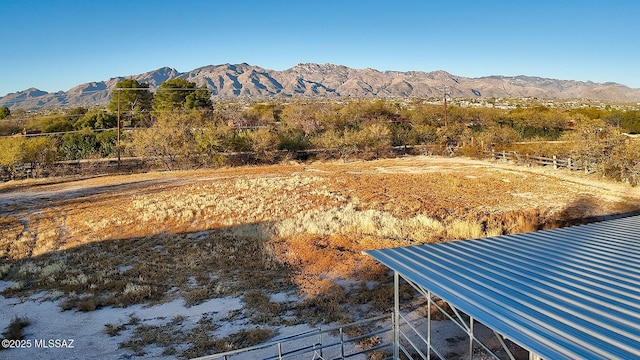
<point>541,122</point>
<point>263,113</point>
<point>56,124</point>
<point>614,118</point>
<point>96,119</point>
<point>180,94</point>
<point>135,101</point>
<point>4,112</point>
<point>199,99</point>
<point>73,114</point>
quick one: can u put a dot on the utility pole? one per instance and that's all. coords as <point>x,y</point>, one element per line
<point>118,141</point>
<point>445,93</point>
<point>445,106</point>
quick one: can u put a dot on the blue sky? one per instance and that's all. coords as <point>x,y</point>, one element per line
<point>55,45</point>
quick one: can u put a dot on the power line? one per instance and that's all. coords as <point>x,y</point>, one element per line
<point>62,132</point>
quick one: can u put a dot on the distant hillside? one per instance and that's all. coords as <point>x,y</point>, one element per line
<point>328,80</point>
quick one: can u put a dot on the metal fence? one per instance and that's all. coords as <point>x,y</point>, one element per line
<point>347,341</point>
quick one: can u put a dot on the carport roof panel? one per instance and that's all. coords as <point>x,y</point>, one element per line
<point>571,293</point>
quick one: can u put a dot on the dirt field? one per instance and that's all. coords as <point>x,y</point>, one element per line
<point>285,240</point>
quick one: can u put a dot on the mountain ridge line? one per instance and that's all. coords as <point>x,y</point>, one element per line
<point>244,81</point>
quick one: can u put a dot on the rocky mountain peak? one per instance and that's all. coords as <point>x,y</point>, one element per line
<point>329,80</point>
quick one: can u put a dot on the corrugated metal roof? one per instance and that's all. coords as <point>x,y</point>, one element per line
<point>570,293</point>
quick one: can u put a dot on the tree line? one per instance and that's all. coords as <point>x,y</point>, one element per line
<point>180,127</point>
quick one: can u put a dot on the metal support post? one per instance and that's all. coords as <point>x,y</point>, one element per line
<point>396,315</point>
<point>428,325</point>
<point>470,338</point>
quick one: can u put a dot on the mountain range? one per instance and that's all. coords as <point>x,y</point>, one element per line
<point>246,81</point>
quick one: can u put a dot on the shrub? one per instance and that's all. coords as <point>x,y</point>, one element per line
<point>107,142</point>
<point>196,296</point>
<point>39,151</point>
<point>499,136</point>
<point>293,140</point>
<point>171,141</point>
<point>462,229</point>
<point>96,119</point>
<point>209,142</point>
<point>69,302</point>
<point>11,154</point>
<point>631,122</point>
<point>14,331</point>
<point>134,293</point>
<point>264,142</point>
<point>471,151</point>
<point>80,145</point>
<point>374,139</point>
<point>4,270</point>
<point>113,330</point>
<point>87,304</point>
<point>251,337</point>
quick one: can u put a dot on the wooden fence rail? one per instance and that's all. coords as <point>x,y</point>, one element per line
<point>108,165</point>
<point>527,159</point>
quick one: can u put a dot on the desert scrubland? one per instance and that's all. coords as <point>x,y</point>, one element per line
<point>281,243</point>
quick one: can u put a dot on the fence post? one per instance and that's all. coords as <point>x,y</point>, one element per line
<point>504,155</point>
<point>555,162</point>
<point>569,164</point>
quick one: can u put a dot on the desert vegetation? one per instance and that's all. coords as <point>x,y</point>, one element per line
<point>179,127</point>
<point>15,329</point>
<point>286,240</point>
<point>272,204</point>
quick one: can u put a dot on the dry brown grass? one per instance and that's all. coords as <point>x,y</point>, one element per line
<point>195,341</point>
<point>120,273</point>
<point>259,308</point>
<point>254,231</point>
<point>14,330</point>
